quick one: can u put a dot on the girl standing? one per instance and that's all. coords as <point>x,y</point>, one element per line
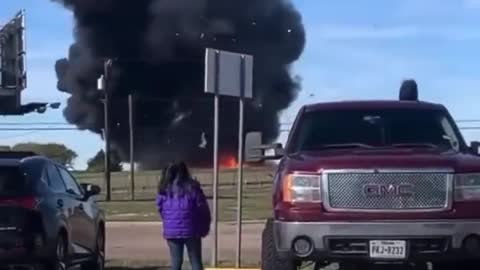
<point>185,213</point>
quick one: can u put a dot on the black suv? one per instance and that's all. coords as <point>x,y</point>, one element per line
<point>47,220</point>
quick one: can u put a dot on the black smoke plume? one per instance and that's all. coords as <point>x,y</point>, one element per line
<point>159,47</point>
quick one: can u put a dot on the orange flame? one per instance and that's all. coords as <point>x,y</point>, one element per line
<point>228,162</point>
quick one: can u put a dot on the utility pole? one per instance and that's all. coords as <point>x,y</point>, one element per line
<point>132,146</point>
<point>106,106</point>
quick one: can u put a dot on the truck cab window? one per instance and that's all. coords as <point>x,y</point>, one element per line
<point>376,128</point>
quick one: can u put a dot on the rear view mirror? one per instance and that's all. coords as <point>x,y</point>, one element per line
<point>255,151</point>
<point>475,147</point>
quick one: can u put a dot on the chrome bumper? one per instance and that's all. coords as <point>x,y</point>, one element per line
<point>286,233</point>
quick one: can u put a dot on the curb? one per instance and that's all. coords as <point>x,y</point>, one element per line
<point>133,223</point>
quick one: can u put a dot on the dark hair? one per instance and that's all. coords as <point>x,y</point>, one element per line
<point>168,176</point>
<point>176,179</point>
<point>183,171</point>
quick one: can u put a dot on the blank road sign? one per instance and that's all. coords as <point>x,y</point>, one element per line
<point>226,73</point>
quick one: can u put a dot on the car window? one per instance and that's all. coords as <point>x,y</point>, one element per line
<point>54,180</point>
<point>12,181</point>
<point>70,182</point>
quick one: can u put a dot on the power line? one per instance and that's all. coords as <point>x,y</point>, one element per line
<point>37,129</point>
<point>72,129</point>
<point>18,135</point>
<point>468,121</point>
<point>457,121</point>
<point>36,124</point>
<point>461,128</point>
<point>62,126</point>
<point>68,124</point>
<point>469,128</point>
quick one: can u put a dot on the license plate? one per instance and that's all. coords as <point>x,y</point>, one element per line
<point>388,249</point>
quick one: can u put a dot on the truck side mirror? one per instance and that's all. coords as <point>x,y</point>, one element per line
<point>255,151</point>
<point>475,147</point>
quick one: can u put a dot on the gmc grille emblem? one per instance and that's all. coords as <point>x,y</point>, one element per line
<point>384,190</point>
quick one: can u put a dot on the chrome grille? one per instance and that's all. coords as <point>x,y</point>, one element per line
<point>353,190</point>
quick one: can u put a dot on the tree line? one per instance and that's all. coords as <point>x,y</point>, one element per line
<point>66,156</point>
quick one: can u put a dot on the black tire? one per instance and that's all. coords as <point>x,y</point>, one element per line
<point>59,259</point>
<point>98,260</point>
<point>270,258</point>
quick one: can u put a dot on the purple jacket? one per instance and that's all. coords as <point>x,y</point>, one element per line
<point>186,215</point>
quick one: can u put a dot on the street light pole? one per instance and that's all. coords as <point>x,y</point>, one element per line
<point>132,142</point>
<point>106,107</point>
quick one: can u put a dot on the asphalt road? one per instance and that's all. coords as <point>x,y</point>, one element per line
<point>143,242</point>
<point>128,241</point>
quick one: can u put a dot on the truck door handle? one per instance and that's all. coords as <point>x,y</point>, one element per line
<point>60,203</point>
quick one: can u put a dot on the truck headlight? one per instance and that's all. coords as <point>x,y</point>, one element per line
<point>467,187</point>
<point>302,188</point>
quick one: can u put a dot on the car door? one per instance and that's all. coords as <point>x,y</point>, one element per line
<point>84,233</point>
<point>58,201</point>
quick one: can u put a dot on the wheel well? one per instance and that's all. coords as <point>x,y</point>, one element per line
<point>63,233</point>
<point>101,227</point>
<point>101,230</point>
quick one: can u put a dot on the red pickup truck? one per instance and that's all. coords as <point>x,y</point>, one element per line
<point>373,182</point>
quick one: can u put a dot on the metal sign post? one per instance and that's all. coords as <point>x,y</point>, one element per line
<point>215,160</point>
<point>238,260</point>
<point>228,74</point>
<point>215,182</point>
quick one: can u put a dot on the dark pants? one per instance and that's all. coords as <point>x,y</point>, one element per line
<point>194,248</point>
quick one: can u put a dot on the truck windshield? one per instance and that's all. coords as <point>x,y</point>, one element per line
<point>409,128</point>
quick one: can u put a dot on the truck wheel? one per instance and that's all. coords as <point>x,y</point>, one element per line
<point>270,258</point>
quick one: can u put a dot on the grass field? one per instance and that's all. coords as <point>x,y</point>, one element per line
<point>256,203</point>
<point>146,181</point>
